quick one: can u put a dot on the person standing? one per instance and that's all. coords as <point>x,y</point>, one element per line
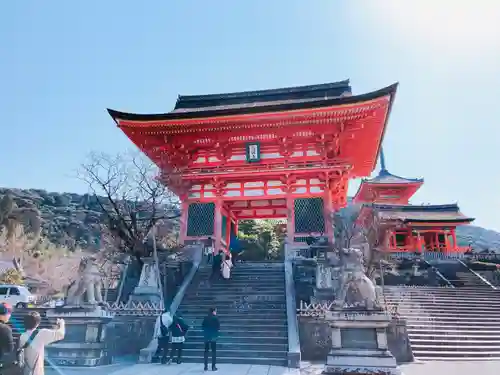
<point>162,328</point>
<point>235,248</point>
<point>216,266</point>
<point>226,266</point>
<point>37,339</point>
<point>211,328</point>
<point>7,355</point>
<point>209,249</point>
<point>178,331</point>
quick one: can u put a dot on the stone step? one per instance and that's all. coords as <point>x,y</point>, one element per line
<point>243,289</point>
<point>462,312</point>
<point>189,358</point>
<point>445,347</point>
<point>249,314</point>
<point>423,333</point>
<point>255,345</point>
<point>243,322</point>
<point>231,353</point>
<point>443,303</point>
<point>452,326</point>
<point>221,309</point>
<point>208,299</point>
<point>265,302</point>
<point>465,296</point>
<point>276,337</point>
<point>476,315</point>
<point>423,358</point>
<point>237,326</point>
<point>465,319</point>
<point>457,342</point>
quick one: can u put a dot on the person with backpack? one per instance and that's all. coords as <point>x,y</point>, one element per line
<point>178,330</point>
<point>7,353</point>
<point>33,341</point>
<point>162,329</point>
<point>211,327</point>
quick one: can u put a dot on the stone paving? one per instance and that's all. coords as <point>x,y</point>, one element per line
<point>417,368</point>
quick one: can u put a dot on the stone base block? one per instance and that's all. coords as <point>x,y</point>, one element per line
<point>362,362</point>
<point>84,342</point>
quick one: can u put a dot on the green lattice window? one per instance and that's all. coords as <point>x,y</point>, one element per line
<point>309,215</point>
<point>200,219</point>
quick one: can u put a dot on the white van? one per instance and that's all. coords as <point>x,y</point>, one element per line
<point>16,295</point>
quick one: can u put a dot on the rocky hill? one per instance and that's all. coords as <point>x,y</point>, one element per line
<point>75,220</point>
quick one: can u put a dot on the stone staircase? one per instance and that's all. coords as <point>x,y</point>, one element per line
<point>449,323</point>
<point>458,274</point>
<point>251,307</point>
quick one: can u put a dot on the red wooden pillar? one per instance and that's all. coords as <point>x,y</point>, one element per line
<point>184,220</point>
<point>454,238</point>
<point>228,229</point>
<point>218,225</point>
<point>236,227</point>
<point>290,220</point>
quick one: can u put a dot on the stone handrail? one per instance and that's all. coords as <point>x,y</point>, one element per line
<point>147,353</point>
<point>478,275</point>
<point>293,355</point>
<point>122,281</point>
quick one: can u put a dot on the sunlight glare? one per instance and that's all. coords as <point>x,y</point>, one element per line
<point>455,24</point>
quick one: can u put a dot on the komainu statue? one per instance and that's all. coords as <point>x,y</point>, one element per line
<point>88,283</point>
<point>355,288</point>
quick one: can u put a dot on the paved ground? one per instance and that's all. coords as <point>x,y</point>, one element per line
<point>419,368</point>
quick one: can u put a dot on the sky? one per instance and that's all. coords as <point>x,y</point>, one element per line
<point>63,63</point>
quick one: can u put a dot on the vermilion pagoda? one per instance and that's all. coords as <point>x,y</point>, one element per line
<point>283,153</point>
<point>404,227</point>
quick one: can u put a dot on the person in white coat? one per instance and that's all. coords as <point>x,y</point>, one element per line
<point>226,267</point>
<point>162,332</point>
<point>34,353</point>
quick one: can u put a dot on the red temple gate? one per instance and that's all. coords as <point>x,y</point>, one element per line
<point>283,153</point>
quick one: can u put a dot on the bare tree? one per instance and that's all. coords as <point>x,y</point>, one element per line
<point>346,227</point>
<point>132,198</point>
<point>375,257</point>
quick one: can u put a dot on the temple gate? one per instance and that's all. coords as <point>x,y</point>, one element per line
<point>282,153</point>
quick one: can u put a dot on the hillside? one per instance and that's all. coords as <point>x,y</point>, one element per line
<point>75,220</point>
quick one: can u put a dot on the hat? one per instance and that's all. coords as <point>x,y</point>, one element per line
<point>5,308</point>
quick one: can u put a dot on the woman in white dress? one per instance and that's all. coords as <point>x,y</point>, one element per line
<point>34,354</point>
<point>226,267</point>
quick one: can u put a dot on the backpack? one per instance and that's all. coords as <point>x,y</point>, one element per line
<point>21,363</point>
<point>164,330</point>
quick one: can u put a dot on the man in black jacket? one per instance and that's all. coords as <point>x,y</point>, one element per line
<point>211,327</point>
<point>7,355</point>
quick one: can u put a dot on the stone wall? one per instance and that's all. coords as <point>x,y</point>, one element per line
<point>399,342</point>
<point>127,335</point>
<point>315,340</point>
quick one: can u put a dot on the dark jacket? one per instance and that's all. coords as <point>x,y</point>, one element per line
<point>6,343</point>
<point>179,327</point>
<point>211,327</point>
<point>217,261</point>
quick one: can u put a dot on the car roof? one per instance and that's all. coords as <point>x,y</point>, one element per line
<point>12,286</point>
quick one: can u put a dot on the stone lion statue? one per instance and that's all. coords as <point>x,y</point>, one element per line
<point>355,287</point>
<point>88,283</point>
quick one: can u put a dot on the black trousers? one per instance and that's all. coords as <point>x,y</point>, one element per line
<point>215,273</point>
<point>210,345</point>
<point>176,346</point>
<point>162,349</point>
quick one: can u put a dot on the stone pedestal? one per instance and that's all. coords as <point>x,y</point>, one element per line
<point>148,289</point>
<point>359,343</point>
<point>84,342</point>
